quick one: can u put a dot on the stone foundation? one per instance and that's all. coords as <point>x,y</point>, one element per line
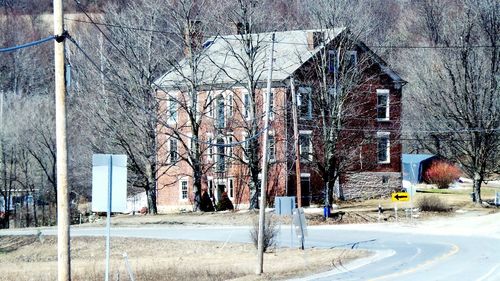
<point>366,185</point>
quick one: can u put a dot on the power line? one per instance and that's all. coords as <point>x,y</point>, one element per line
<point>350,129</point>
<point>232,144</point>
<point>122,26</point>
<point>225,37</point>
<point>27,45</point>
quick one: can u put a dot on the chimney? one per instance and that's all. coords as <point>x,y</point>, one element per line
<point>314,39</point>
<point>242,28</point>
<point>193,37</point>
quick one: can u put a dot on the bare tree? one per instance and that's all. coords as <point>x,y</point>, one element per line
<point>338,75</point>
<point>124,100</point>
<point>457,97</point>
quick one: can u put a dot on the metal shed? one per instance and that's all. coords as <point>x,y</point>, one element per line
<point>414,166</point>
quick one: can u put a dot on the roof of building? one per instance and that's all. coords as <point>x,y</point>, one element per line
<point>224,61</point>
<point>416,158</point>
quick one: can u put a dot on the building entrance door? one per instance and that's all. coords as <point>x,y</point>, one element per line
<point>218,193</point>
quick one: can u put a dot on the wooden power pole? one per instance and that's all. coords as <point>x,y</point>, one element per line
<point>63,257</point>
<point>296,143</point>
<point>265,160</point>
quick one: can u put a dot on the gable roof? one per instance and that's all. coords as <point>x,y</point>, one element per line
<point>224,61</point>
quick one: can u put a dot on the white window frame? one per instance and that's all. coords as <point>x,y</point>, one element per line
<point>230,188</point>
<point>173,107</point>
<point>211,100</point>
<point>218,154</point>
<point>181,195</point>
<point>383,92</point>
<point>230,104</point>
<point>229,148</point>
<point>170,160</point>
<point>246,107</point>
<point>272,147</point>
<point>308,133</point>
<point>218,99</point>
<point>305,90</point>
<point>350,54</point>
<point>384,136</point>
<point>210,147</point>
<point>271,104</point>
<point>332,52</point>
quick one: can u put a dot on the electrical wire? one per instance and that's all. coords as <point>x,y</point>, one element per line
<point>27,45</point>
<point>232,144</point>
<point>225,37</point>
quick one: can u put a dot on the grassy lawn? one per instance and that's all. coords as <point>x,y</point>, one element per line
<point>31,258</point>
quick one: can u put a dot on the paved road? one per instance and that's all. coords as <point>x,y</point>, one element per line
<point>402,253</point>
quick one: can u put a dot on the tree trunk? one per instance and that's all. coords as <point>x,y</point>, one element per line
<point>197,187</point>
<point>151,194</point>
<point>476,188</point>
<point>35,219</point>
<point>6,219</point>
<point>27,213</point>
<point>254,196</point>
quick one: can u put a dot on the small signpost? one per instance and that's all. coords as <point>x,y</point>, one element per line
<point>399,197</point>
<point>299,220</point>
<point>109,190</point>
<point>497,198</point>
<point>283,206</point>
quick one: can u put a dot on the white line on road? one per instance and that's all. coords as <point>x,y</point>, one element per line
<point>490,273</point>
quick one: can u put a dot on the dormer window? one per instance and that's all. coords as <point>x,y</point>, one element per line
<point>352,60</point>
<point>332,61</point>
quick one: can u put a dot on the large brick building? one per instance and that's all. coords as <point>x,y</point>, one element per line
<point>367,149</point>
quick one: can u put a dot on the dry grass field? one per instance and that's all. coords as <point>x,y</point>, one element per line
<point>32,258</point>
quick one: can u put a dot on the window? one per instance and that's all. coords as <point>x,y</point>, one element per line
<point>184,189</point>
<point>383,147</point>
<point>173,155</point>
<point>210,104</point>
<point>272,148</point>
<point>172,110</point>
<point>220,166</point>
<point>385,179</point>
<point>230,191</point>
<point>304,102</point>
<point>352,60</point>
<point>271,103</point>
<point>246,105</point>
<point>305,146</point>
<point>220,118</point>
<point>230,105</point>
<point>210,148</point>
<point>332,61</point>
<point>230,147</point>
<point>382,105</point>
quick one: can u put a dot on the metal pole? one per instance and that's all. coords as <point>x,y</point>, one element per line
<point>63,246</point>
<point>108,222</point>
<point>297,146</point>
<point>265,156</point>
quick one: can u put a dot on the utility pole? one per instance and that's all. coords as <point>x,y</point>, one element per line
<point>296,142</point>
<point>63,257</point>
<point>265,160</point>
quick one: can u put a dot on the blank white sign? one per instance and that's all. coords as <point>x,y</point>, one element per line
<point>100,181</point>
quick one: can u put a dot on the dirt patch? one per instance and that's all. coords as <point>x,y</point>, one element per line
<point>34,258</point>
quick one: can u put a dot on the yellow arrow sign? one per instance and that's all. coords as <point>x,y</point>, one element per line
<point>400,196</point>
